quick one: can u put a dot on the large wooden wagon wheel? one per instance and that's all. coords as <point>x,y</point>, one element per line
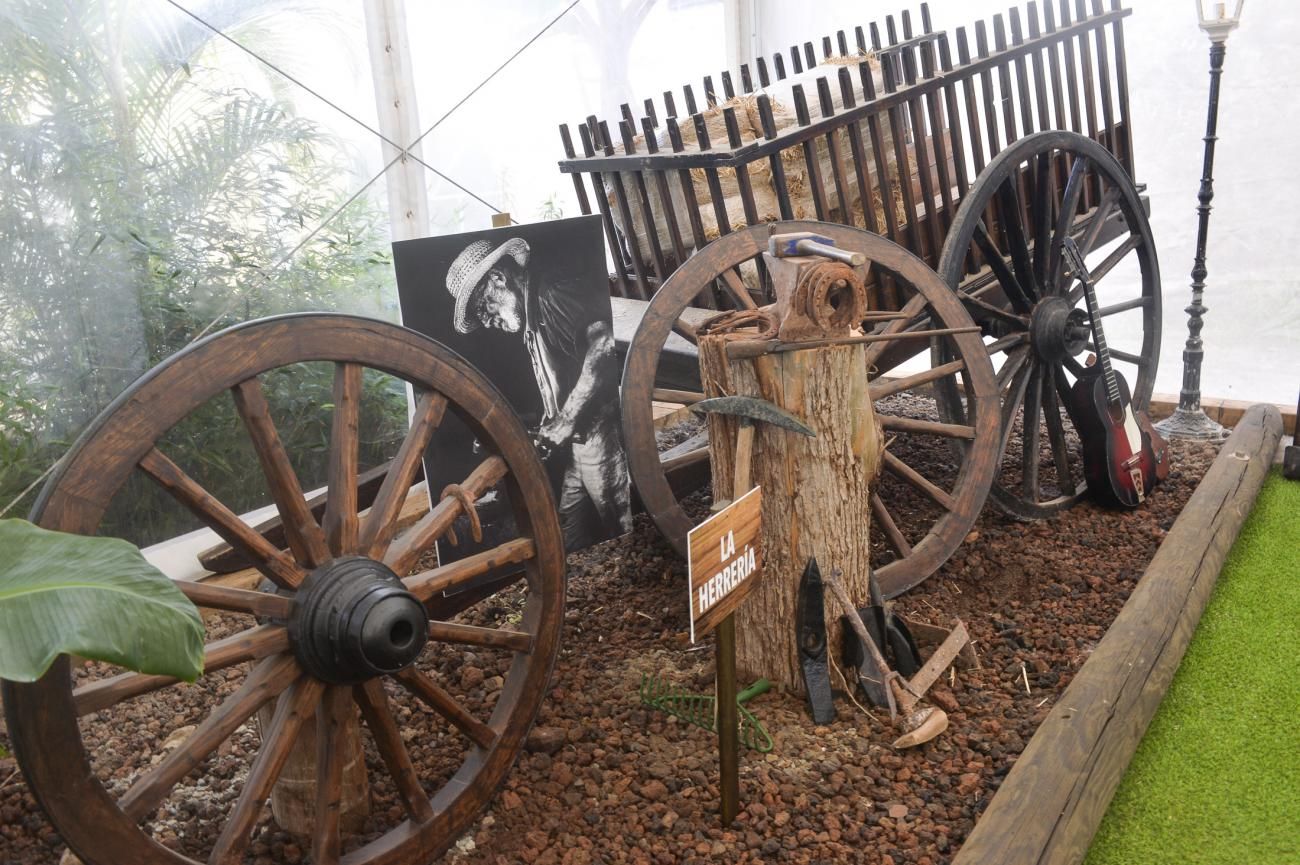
<point>925,484</point>
<point>341,633</point>
<point>1003,254</point>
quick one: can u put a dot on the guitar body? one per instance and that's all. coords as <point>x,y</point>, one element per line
<point>1123,455</point>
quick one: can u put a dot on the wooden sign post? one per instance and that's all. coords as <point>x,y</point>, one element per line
<point>725,561</point>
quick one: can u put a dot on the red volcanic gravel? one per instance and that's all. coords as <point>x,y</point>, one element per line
<point>605,780</point>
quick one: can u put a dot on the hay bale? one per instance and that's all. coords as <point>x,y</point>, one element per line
<point>767,208</point>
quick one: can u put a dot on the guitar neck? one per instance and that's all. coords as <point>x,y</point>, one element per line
<point>1099,340</point>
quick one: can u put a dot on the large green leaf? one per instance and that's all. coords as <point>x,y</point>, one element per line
<point>94,597</point>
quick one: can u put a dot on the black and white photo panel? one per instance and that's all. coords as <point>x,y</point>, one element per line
<point>529,307</point>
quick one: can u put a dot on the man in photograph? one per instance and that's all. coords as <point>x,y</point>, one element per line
<point>573,362</point>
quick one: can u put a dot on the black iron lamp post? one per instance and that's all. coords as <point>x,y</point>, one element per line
<point>1189,419</point>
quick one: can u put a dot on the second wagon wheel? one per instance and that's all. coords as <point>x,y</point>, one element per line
<point>929,494</point>
<point>356,623</point>
<point>1003,254</point>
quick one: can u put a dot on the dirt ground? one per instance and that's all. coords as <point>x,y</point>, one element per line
<point>606,780</point>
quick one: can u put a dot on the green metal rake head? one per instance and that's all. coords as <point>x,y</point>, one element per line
<point>701,709</point>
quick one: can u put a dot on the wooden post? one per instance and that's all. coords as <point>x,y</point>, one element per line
<point>293,798</point>
<point>815,490</point>
<point>399,121</point>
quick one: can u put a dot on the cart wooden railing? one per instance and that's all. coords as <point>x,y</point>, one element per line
<point>900,117</point>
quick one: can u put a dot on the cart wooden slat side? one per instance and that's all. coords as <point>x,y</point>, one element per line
<point>915,131</point>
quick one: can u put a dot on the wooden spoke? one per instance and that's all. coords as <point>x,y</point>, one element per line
<point>920,322</point>
<point>1007,280</point>
<point>1056,436</point>
<point>1116,354</point>
<point>1012,398</point>
<point>251,645</point>
<point>883,387</point>
<point>375,711</point>
<point>686,331</point>
<point>380,524</point>
<point>332,715</point>
<point>406,550</point>
<point>1062,385</point>
<point>905,316</point>
<point>1018,246</point>
<point>225,522</point>
<point>900,469</point>
<point>444,704</point>
<point>488,638</point>
<point>736,288</point>
<point>893,535</point>
<point>1041,212</point>
<point>1130,243</point>
<point>215,597</point>
<point>890,423</point>
<point>263,683</point>
<point>1124,306</point>
<point>295,706</point>
<point>1073,365</point>
<point>340,521</point>
<point>1065,219</point>
<point>981,309</point>
<point>1029,453</point>
<point>1007,343</point>
<point>304,535</point>
<point>451,576</point>
<point>685,397</point>
<point>1013,363</point>
<point>1107,205</point>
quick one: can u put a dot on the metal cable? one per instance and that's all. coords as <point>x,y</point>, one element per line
<point>402,151</point>
<point>493,74</point>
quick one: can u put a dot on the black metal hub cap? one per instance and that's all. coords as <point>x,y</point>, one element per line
<point>354,620</point>
<point>1057,330</point>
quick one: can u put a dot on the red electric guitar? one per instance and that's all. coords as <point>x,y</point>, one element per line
<point>1123,455</point>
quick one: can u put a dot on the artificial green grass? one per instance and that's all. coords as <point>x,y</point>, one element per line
<point>1217,776</point>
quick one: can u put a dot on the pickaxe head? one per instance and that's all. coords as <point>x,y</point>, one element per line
<point>751,408</point>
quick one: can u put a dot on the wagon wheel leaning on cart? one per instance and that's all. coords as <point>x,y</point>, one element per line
<point>924,483</point>
<point>1003,253</point>
<point>288,642</point>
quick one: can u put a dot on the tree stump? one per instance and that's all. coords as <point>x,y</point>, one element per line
<point>815,490</point>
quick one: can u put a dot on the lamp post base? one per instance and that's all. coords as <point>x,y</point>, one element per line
<point>1185,424</point>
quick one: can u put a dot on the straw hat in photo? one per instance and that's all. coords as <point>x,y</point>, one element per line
<point>465,276</point>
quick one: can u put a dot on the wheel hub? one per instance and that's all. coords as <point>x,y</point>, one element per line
<point>1057,330</point>
<point>354,620</point>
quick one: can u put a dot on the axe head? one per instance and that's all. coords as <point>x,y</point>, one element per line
<point>753,409</point>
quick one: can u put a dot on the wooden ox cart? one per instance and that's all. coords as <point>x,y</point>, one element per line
<point>966,151</point>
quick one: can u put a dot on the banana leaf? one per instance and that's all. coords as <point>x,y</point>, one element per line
<point>94,597</point>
